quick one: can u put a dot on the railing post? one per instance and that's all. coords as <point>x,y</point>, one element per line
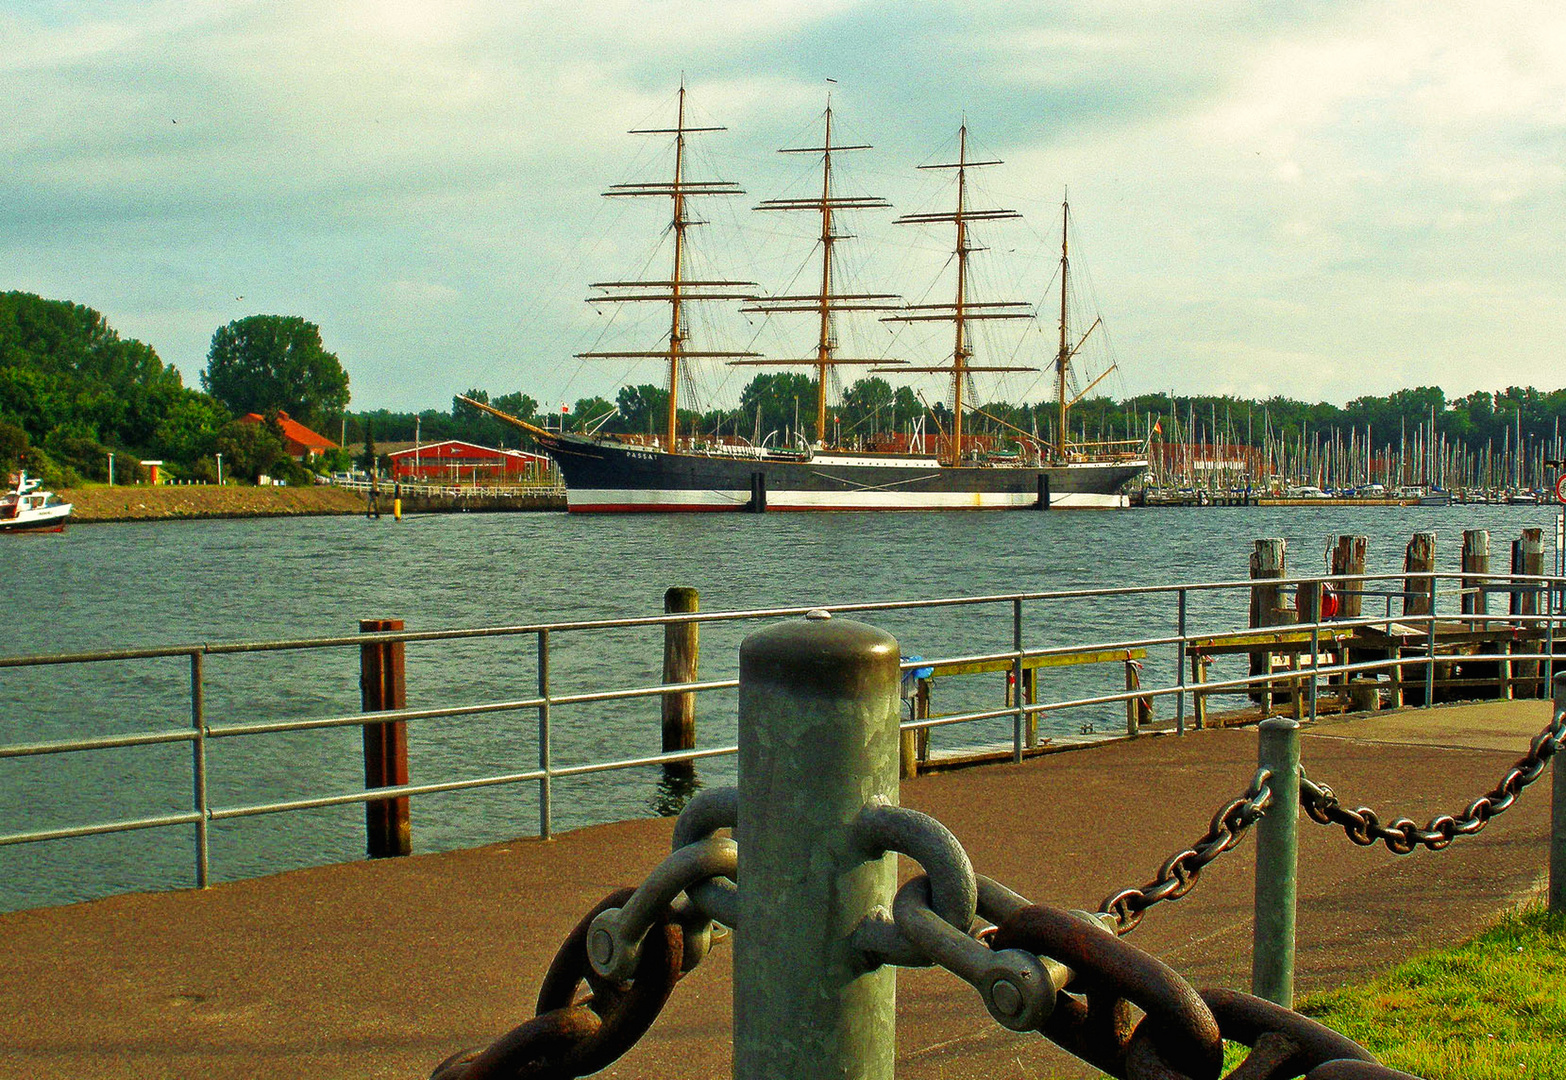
<point>681,649</point>
<point>1528,559</point>
<point>198,765</point>
<point>382,687</point>
<point>818,711</point>
<point>1019,726</point>
<point>1430,646</point>
<point>1180,666</point>
<point>546,822</point>
<point>1308,604</point>
<point>1277,857</point>
<point>1558,810</point>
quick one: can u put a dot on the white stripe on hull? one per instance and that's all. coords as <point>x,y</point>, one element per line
<point>611,499</point>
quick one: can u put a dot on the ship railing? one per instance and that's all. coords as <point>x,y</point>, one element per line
<point>1533,632</point>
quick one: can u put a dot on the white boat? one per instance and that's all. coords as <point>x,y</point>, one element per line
<point>28,508</point>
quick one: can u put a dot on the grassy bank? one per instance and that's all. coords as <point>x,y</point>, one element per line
<point>1491,1007</point>
<point>104,503</point>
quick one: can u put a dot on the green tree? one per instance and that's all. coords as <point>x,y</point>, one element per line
<point>249,450</point>
<point>268,362</point>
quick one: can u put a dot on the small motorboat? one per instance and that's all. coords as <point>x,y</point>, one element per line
<point>28,508</point>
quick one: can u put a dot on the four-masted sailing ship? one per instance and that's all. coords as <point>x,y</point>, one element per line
<point>606,472</point>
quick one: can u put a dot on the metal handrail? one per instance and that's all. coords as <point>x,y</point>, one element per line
<point>202,813</point>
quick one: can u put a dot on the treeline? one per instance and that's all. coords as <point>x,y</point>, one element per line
<point>774,408</point>
<point>72,392</point>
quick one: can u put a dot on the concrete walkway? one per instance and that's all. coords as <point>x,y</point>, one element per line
<point>383,969</point>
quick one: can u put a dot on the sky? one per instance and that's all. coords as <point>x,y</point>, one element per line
<point>1316,200</point>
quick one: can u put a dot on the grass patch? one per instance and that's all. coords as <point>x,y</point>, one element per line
<point>1491,1007</point>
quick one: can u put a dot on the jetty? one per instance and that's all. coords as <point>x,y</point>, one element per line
<point>384,968</point>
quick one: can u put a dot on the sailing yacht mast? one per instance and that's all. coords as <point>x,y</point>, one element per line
<point>678,289</point>
<point>962,310</point>
<point>825,302</point>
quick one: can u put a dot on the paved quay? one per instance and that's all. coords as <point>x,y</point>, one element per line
<point>384,969</point>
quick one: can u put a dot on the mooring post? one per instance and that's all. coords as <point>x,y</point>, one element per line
<point>1268,560</point>
<point>382,687</point>
<point>818,712</point>
<point>1558,811</point>
<point>1348,559</point>
<point>1476,564</point>
<point>680,655</point>
<point>1277,861</point>
<point>1418,559</point>
<point>1527,559</point>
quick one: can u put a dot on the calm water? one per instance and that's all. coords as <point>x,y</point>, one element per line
<point>181,582</point>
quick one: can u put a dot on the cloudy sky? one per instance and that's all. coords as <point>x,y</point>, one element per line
<point>1318,200</point>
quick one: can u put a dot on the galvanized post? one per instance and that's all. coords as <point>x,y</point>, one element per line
<point>545,813</point>
<point>818,712</point>
<point>1019,721</point>
<point>198,765</point>
<point>1558,810</point>
<point>1431,646</point>
<point>1180,669</point>
<point>1277,853</point>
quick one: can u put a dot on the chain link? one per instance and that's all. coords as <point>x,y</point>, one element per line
<point>568,1038</point>
<point>1403,835</point>
<point>1179,873</point>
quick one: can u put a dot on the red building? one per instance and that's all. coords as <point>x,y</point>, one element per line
<point>458,462</point>
<point>298,440</point>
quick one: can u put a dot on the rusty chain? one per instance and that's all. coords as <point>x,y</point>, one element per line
<point>1179,873</point>
<point>1403,835</point>
<point>1181,1033</point>
<point>567,1037</point>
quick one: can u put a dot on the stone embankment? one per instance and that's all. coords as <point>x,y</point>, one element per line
<point>180,502</point>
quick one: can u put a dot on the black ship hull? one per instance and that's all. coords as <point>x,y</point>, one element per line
<point>607,476</point>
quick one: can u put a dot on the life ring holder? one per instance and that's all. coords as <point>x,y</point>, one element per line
<point>1560,487</point>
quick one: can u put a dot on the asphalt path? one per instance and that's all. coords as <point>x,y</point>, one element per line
<point>383,969</point>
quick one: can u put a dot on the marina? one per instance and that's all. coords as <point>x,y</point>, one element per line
<point>469,571</point>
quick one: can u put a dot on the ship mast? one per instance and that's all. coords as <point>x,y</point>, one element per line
<point>962,310</point>
<point>1067,349</point>
<point>678,289</point>
<point>824,303</point>
<point>1063,358</point>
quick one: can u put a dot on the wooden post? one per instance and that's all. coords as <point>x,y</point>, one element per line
<point>916,744</point>
<point>1268,560</point>
<point>1134,706</point>
<point>1476,563</point>
<point>382,687</point>
<point>1527,558</point>
<point>1030,696</point>
<point>1199,697</point>
<point>680,656</point>
<point>1348,557</point>
<point>1419,559</point>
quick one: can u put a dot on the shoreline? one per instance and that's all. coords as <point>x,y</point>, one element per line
<point>96,505</point>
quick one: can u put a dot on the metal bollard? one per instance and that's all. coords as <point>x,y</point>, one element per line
<point>1277,859</point>
<point>818,716</point>
<point>1558,811</point>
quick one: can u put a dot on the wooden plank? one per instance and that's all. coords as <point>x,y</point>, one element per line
<point>1071,659</point>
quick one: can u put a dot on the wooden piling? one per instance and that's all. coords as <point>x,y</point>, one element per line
<point>382,687</point>
<point>1268,560</point>
<point>1348,557</point>
<point>1419,559</point>
<point>1527,558</point>
<point>680,656</point>
<point>1476,564</point>
<point>916,744</point>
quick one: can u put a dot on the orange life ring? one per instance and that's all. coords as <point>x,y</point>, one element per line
<point>1560,488</point>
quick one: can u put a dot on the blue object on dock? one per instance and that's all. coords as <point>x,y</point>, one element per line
<point>911,678</point>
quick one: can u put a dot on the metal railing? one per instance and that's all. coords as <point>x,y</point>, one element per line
<point>200,732</point>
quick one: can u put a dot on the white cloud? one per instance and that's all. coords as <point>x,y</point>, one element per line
<point>1301,201</point>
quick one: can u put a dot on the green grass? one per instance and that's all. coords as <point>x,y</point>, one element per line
<point>1491,1007</point>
